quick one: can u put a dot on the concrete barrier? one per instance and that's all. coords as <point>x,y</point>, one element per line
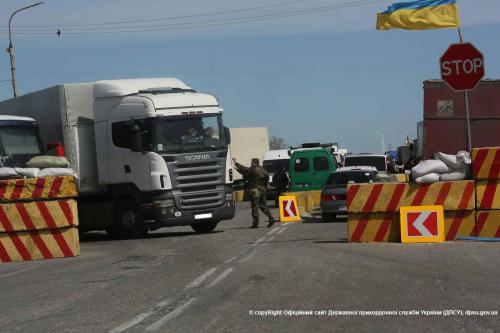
<point>38,219</point>
<point>306,200</point>
<point>389,197</point>
<point>487,194</point>
<point>486,163</point>
<point>38,215</point>
<point>37,188</point>
<point>373,227</point>
<point>40,244</point>
<point>487,224</point>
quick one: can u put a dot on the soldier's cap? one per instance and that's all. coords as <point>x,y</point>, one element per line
<point>255,160</point>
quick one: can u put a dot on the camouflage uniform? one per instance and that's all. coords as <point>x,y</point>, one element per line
<point>256,181</point>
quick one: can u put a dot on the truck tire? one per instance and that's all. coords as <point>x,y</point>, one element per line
<point>128,221</point>
<point>204,228</point>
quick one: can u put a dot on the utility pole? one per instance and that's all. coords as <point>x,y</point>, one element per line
<point>10,49</point>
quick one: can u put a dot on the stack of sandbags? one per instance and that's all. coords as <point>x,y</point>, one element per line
<point>444,168</point>
<point>51,166</point>
<point>486,172</point>
<point>38,218</point>
<point>373,209</point>
<point>39,166</point>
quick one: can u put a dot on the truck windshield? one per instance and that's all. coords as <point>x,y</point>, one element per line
<point>19,140</point>
<point>274,166</point>
<point>375,161</point>
<point>188,134</point>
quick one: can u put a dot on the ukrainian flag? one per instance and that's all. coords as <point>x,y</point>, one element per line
<point>420,15</point>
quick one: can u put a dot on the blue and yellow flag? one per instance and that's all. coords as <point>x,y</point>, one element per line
<point>420,15</point>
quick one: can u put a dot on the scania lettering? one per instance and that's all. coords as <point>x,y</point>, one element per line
<point>149,153</point>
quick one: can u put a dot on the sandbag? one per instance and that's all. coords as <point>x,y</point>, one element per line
<point>7,172</point>
<point>28,172</point>
<point>428,178</point>
<point>429,166</point>
<point>450,160</point>
<point>46,161</point>
<point>464,156</point>
<point>455,175</point>
<point>57,172</point>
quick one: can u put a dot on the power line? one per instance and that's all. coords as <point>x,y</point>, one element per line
<point>203,24</point>
<point>168,18</point>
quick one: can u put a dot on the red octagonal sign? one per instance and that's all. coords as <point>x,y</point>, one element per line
<point>462,66</point>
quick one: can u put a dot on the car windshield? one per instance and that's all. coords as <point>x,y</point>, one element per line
<point>188,134</point>
<point>375,161</point>
<point>19,140</point>
<point>274,166</point>
<point>342,178</point>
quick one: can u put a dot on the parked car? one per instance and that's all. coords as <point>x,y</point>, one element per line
<point>334,193</point>
<point>383,163</point>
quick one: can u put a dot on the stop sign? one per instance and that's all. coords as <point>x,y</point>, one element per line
<point>462,66</point>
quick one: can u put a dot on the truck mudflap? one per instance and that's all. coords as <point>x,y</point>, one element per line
<point>160,217</point>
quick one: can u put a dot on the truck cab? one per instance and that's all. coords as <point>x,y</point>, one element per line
<point>163,145</point>
<point>309,168</point>
<point>19,141</point>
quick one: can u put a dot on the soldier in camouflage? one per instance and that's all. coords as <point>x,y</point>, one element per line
<point>256,180</point>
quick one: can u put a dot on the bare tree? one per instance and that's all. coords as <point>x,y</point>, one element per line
<point>277,143</point>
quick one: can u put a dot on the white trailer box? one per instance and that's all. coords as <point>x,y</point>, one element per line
<point>247,143</point>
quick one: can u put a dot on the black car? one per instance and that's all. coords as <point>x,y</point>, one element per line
<point>333,194</point>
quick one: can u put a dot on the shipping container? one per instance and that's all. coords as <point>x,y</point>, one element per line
<point>444,125</point>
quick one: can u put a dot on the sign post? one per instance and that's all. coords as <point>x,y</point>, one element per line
<point>462,68</point>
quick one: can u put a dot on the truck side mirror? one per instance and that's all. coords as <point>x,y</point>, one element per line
<point>227,135</point>
<point>135,138</point>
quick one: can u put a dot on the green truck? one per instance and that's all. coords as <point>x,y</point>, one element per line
<point>310,167</point>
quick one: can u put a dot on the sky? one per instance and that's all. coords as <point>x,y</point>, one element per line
<point>308,70</point>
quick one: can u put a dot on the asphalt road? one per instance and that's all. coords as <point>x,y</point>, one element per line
<point>294,277</point>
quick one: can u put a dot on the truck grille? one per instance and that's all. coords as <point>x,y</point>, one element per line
<point>199,184</point>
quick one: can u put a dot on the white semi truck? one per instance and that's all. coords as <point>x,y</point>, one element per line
<point>149,153</point>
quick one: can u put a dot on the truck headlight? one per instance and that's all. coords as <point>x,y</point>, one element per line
<point>229,196</point>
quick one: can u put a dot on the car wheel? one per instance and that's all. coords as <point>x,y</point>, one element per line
<point>204,228</point>
<point>128,221</point>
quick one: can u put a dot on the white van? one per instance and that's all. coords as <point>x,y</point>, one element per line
<point>275,160</point>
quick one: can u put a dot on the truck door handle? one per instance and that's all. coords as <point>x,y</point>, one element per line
<point>127,168</point>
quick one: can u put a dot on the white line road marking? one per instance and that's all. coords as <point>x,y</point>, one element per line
<point>196,282</point>
<point>260,240</point>
<point>171,315</point>
<point>249,256</point>
<point>273,231</point>
<point>281,231</point>
<point>230,259</point>
<point>221,277</point>
<point>17,272</point>
<point>138,319</point>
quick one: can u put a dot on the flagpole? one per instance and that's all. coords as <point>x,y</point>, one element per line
<point>466,101</point>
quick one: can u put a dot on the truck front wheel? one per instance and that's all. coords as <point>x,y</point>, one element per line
<point>205,227</point>
<point>128,222</point>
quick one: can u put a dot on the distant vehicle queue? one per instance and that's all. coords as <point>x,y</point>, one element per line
<point>315,166</point>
